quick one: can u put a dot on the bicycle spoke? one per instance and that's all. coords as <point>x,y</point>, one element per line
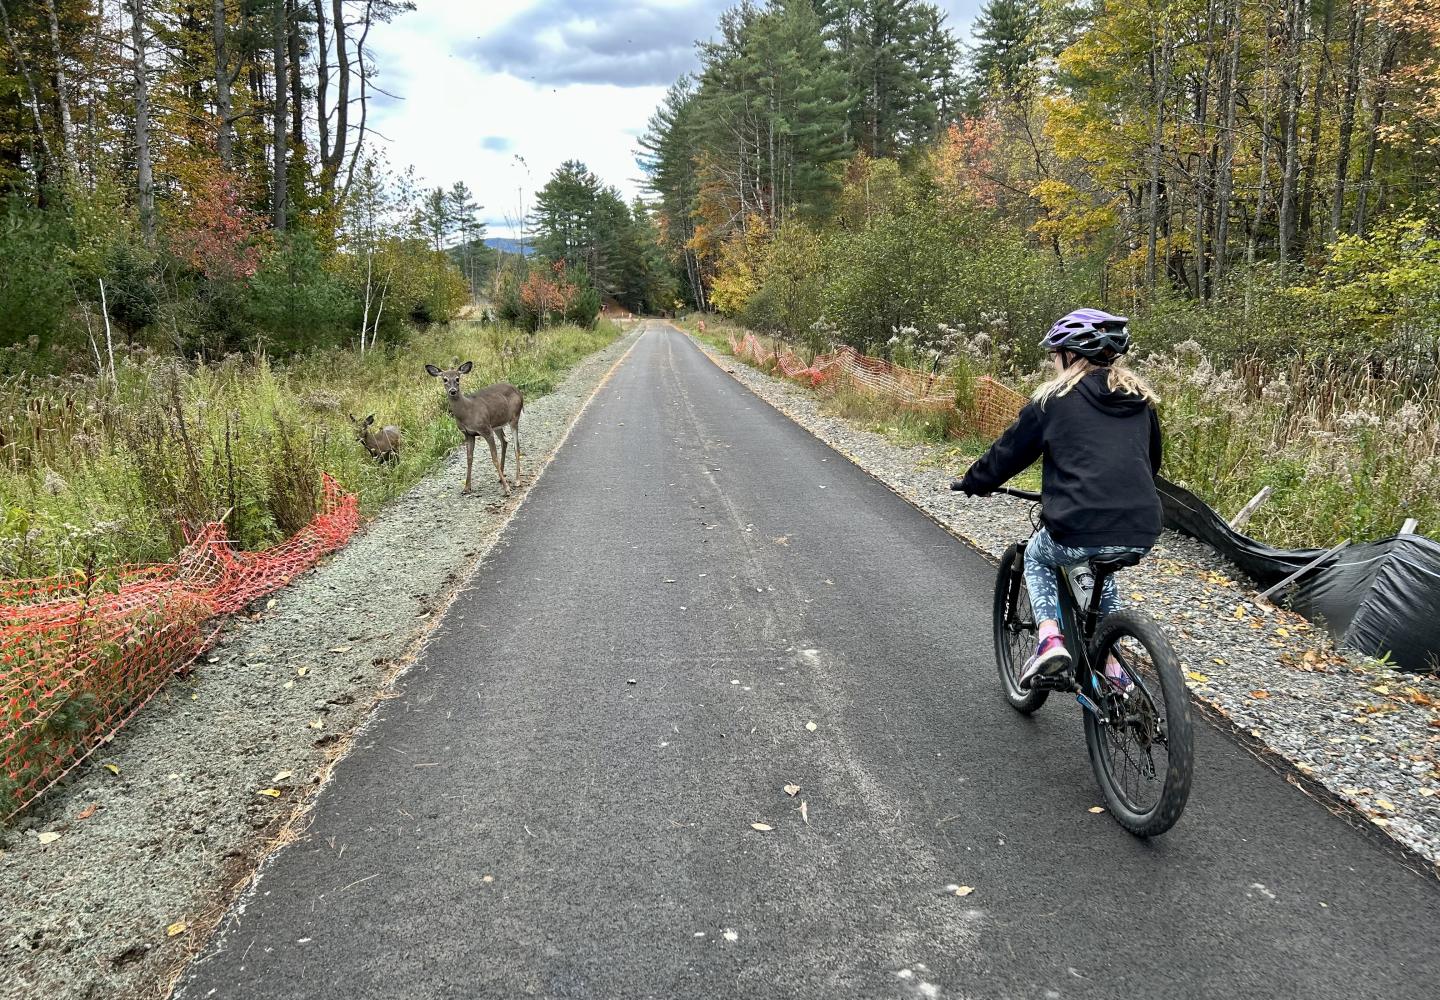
<point>1136,751</point>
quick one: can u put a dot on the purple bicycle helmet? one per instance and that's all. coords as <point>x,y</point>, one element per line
<point>1091,333</point>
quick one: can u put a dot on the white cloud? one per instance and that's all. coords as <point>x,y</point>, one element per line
<point>468,109</point>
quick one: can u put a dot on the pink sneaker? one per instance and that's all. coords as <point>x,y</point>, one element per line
<point>1050,658</point>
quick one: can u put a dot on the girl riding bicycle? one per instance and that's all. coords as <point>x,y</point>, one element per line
<point>1095,426</point>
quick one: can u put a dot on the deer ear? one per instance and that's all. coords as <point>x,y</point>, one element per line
<point>369,420</point>
<point>465,368</point>
<point>434,372</point>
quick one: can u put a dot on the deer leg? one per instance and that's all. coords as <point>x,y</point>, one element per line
<point>469,460</point>
<point>515,425</point>
<point>494,457</point>
<point>504,446</point>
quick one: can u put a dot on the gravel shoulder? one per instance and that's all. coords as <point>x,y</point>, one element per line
<point>1362,736</point>
<point>171,820</point>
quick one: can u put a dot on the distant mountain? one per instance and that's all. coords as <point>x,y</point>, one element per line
<point>507,245</point>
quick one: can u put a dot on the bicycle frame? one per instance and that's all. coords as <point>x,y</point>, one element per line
<point>1079,627</point>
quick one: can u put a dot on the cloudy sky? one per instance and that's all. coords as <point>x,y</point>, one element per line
<point>482,82</point>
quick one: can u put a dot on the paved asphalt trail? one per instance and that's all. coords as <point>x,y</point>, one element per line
<point>523,821</point>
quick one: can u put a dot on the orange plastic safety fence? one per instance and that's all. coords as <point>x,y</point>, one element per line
<point>991,410</point>
<point>79,655</point>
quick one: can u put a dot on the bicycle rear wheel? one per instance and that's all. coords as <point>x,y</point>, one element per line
<point>1143,754</point>
<point>1015,630</point>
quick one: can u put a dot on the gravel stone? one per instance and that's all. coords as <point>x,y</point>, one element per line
<point>183,824</point>
<point>1367,734</point>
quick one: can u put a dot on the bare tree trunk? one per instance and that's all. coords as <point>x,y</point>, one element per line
<point>322,85</point>
<point>297,90</point>
<point>1290,171</point>
<point>46,160</point>
<point>62,94</point>
<point>1347,118</point>
<point>1204,178</point>
<point>92,91</point>
<point>144,176</point>
<point>280,139</point>
<point>1307,200</point>
<point>1263,188</point>
<point>1230,88</point>
<point>364,100</point>
<point>225,131</point>
<point>1159,68</point>
<point>1377,115</point>
<point>332,166</point>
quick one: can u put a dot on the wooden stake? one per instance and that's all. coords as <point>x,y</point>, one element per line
<point>1238,521</point>
<point>1408,528</point>
<point>1303,570</point>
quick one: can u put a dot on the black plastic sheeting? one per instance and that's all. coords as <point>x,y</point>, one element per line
<point>1381,598</point>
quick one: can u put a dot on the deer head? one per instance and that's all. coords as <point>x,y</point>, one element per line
<point>451,377</point>
<point>361,426</point>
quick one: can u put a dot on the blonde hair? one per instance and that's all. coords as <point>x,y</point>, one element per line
<point>1122,379</point>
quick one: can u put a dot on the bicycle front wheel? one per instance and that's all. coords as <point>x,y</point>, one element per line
<point>1015,630</point>
<point>1142,752</point>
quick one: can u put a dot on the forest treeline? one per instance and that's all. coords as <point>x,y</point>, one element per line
<point>1251,174</point>
<point>201,176</point>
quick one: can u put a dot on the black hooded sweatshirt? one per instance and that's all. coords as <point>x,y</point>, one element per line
<point>1102,452</point>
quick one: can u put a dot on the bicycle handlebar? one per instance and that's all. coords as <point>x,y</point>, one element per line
<point>1017,494</point>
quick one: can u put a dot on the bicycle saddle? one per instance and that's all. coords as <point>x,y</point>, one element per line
<point>1109,564</point>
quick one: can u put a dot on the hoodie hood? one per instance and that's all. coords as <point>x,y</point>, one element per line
<point>1095,389</point>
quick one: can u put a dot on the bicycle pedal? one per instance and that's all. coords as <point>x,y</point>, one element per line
<point>1056,682</point>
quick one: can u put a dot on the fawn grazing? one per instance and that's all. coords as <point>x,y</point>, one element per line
<point>383,445</point>
<point>483,414</point>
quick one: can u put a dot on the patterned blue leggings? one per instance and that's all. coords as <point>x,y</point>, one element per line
<point>1043,556</point>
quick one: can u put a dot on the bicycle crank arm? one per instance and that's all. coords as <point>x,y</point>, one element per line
<point>1092,708</point>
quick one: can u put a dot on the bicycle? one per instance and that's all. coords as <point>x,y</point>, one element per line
<point>1141,731</point>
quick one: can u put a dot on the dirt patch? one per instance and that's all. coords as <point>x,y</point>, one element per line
<point>161,829</point>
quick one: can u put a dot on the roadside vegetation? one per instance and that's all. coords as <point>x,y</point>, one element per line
<point>101,472</point>
<point>1252,183</point>
<point>201,279</point>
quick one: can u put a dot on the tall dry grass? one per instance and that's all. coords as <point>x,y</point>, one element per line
<point>102,472</point>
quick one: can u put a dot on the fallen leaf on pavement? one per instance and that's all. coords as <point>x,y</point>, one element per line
<point>112,768</point>
<point>269,793</point>
<point>318,724</point>
<point>88,811</point>
<point>1197,677</point>
<point>49,837</point>
<point>811,726</point>
<point>790,790</point>
<point>1097,809</point>
<point>1260,694</point>
<point>762,827</point>
<point>178,927</point>
<point>340,649</point>
<point>283,776</point>
<point>805,813</point>
<point>963,890</point>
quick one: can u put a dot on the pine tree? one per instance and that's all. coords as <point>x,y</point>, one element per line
<point>1008,46</point>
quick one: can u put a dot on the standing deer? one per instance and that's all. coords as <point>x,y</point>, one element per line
<point>383,445</point>
<point>483,414</point>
